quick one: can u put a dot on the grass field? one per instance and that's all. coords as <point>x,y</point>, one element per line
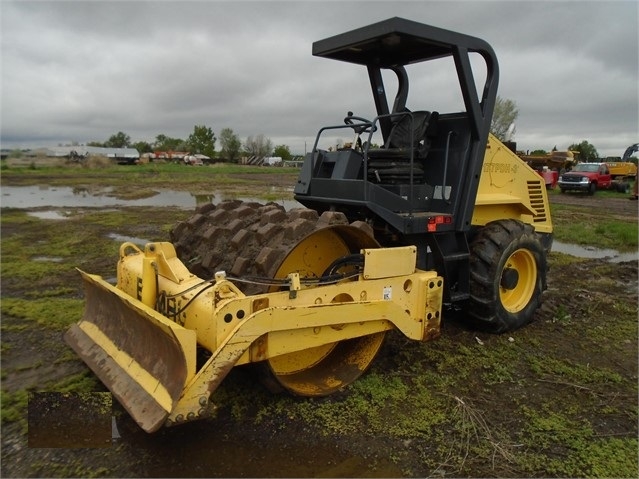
<point>555,399</point>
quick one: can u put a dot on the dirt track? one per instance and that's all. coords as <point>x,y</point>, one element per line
<point>621,207</point>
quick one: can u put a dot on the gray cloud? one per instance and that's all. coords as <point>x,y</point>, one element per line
<point>81,71</point>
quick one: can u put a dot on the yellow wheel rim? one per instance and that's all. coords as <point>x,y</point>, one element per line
<point>314,254</point>
<point>515,297</point>
<point>324,369</point>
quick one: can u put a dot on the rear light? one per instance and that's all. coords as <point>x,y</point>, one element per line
<point>434,221</point>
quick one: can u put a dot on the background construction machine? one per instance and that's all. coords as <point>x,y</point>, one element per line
<point>424,210</point>
<point>550,165</point>
<point>624,172</point>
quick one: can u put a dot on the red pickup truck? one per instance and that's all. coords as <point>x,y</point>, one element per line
<point>586,177</point>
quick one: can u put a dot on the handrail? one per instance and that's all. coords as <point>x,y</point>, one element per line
<point>450,134</point>
<point>319,133</point>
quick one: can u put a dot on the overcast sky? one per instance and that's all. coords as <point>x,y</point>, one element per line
<point>82,71</point>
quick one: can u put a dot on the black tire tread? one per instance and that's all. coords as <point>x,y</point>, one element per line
<point>245,238</point>
<point>489,250</point>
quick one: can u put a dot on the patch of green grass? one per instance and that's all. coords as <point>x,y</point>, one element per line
<point>84,382</point>
<point>118,219</point>
<point>612,193</point>
<point>583,226</point>
<point>56,313</point>
<point>14,328</point>
<point>575,373</point>
<point>486,364</point>
<point>42,252</point>
<point>366,407</point>
<point>557,260</point>
<point>32,271</point>
<point>52,292</point>
<point>73,468</point>
<point>607,457</point>
<point>96,402</point>
<point>54,238</point>
<point>562,315</point>
<point>152,174</point>
<point>600,193</point>
<point>579,452</point>
<point>66,355</point>
<point>614,234</point>
<point>14,407</point>
<point>16,216</point>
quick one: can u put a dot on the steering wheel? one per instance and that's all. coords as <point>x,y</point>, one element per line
<point>363,127</point>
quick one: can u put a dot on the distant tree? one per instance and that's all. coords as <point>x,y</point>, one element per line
<point>231,145</point>
<point>504,116</point>
<point>587,152</point>
<point>258,145</point>
<point>166,143</point>
<point>202,141</point>
<point>142,147</point>
<point>283,152</point>
<point>119,140</point>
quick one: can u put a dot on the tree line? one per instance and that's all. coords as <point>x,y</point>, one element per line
<point>202,141</point>
<point>503,127</point>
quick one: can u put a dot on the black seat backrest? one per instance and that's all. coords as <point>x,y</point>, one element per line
<point>400,135</point>
<point>421,123</point>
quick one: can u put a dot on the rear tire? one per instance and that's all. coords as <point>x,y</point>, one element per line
<point>507,276</point>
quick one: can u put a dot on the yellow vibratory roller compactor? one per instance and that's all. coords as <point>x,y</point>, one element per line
<point>425,210</point>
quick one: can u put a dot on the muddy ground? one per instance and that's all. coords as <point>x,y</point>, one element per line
<point>557,398</point>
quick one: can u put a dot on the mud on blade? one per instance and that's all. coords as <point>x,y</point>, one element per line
<point>144,359</point>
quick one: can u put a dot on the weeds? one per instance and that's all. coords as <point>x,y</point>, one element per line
<point>581,453</point>
<point>474,429</point>
<point>572,373</point>
<point>562,315</point>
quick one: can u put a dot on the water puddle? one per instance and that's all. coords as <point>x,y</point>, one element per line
<point>185,451</point>
<point>69,420</point>
<point>70,197</point>
<point>48,259</point>
<point>24,197</point>
<point>590,252</point>
<point>130,239</point>
<point>74,197</point>
<point>49,215</point>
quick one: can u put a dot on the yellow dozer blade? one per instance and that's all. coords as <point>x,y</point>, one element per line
<point>143,358</point>
<point>147,357</point>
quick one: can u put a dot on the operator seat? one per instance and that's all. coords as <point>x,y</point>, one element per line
<point>391,164</point>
